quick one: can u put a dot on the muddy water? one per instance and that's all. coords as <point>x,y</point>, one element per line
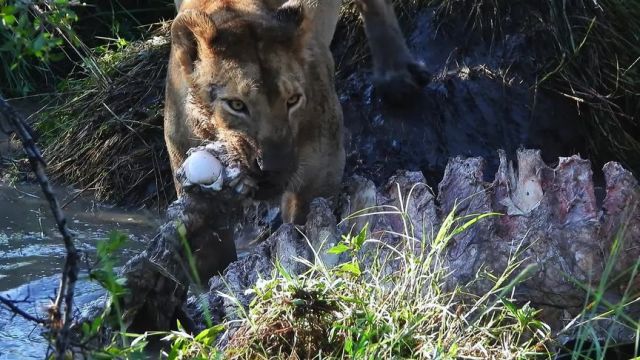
<point>31,255</point>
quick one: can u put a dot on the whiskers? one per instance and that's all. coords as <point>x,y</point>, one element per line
<point>296,180</point>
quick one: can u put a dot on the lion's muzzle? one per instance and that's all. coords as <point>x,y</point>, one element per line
<point>276,162</point>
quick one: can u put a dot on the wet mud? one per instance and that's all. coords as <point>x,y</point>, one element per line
<point>480,100</point>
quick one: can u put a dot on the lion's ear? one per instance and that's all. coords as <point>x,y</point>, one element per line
<point>292,17</point>
<point>291,13</point>
<point>192,34</point>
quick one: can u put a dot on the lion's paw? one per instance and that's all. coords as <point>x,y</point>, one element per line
<point>399,85</point>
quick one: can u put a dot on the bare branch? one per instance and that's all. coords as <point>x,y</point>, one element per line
<point>60,318</point>
<point>11,305</point>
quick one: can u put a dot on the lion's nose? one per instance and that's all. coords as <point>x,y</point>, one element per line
<point>276,157</point>
<point>275,164</point>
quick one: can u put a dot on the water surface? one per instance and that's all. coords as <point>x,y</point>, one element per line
<point>32,254</point>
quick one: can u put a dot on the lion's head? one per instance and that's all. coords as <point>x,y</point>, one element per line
<point>246,73</point>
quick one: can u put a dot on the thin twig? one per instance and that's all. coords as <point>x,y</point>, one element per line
<point>16,310</point>
<point>70,270</point>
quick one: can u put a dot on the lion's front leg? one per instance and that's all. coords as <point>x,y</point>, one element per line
<point>397,74</point>
<point>325,16</point>
<point>294,208</point>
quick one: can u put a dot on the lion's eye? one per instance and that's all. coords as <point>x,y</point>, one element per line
<point>293,100</point>
<point>237,105</point>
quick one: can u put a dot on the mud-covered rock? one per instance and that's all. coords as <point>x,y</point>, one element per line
<point>407,193</point>
<point>357,204</point>
<point>228,295</point>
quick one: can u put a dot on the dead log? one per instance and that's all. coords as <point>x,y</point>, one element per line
<point>159,278</point>
<point>195,243</point>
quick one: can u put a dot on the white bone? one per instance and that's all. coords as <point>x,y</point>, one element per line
<point>204,169</point>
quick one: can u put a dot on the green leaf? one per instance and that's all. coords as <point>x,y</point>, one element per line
<point>85,329</point>
<point>207,336</point>
<point>338,249</point>
<point>453,350</point>
<point>139,342</point>
<point>513,309</point>
<point>173,354</point>
<point>38,43</point>
<point>471,222</point>
<point>283,272</point>
<point>359,239</point>
<point>348,346</point>
<point>106,249</point>
<point>8,10</point>
<point>181,228</point>
<point>8,20</point>
<point>95,324</point>
<point>351,267</point>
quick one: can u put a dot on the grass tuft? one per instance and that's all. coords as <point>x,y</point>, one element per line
<point>391,302</point>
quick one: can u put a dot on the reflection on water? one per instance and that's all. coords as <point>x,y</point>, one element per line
<point>32,254</point>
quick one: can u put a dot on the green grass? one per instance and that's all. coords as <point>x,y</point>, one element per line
<point>31,36</point>
<point>385,302</point>
<point>394,298</point>
<point>41,42</point>
<point>393,305</point>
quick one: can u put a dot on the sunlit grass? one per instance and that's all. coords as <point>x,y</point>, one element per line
<point>393,296</point>
<point>396,301</point>
<point>387,302</point>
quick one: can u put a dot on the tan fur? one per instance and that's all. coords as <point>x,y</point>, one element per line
<point>254,52</point>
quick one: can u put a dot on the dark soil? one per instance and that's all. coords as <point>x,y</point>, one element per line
<point>481,100</point>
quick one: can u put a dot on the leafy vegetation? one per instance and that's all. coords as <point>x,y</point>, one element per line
<point>95,333</point>
<point>32,35</point>
<point>43,41</point>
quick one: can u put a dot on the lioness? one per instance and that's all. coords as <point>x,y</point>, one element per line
<point>259,74</point>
